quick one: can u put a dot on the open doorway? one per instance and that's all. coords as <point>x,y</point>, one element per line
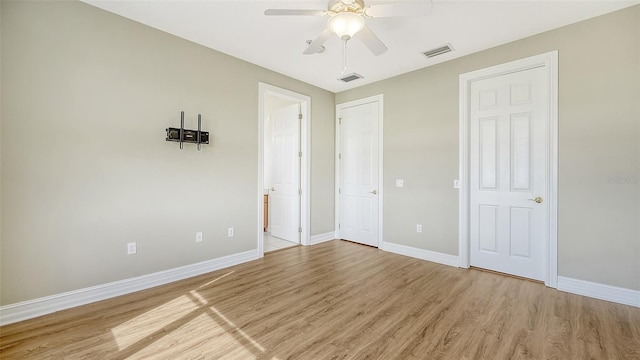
<point>284,191</point>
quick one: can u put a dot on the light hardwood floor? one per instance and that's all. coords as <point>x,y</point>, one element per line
<point>332,301</point>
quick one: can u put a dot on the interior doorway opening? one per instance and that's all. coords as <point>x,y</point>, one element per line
<point>283,219</point>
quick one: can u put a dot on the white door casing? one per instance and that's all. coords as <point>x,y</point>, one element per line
<point>264,91</point>
<point>359,171</point>
<point>508,155</point>
<point>284,217</point>
<point>507,172</point>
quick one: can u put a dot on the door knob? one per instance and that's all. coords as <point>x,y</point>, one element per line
<point>373,192</point>
<point>537,199</point>
<point>273,188</point>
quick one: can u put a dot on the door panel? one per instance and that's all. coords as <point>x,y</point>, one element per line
<point>508,169</point>
<point>359,173</point>
<point>489,172</point>
<point>520,232</point>
<point>285,199</point>
<point>488,228</point>
<point>521,171</point>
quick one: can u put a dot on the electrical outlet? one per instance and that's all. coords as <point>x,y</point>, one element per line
<point>230,232</point>
<point>399,183</point>
<point>199,236</point>
<point>419,228</point>
<point>456,184</point>
<point>131,248</point>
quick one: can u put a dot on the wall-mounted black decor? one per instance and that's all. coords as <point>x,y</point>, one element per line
<point>183,135</point>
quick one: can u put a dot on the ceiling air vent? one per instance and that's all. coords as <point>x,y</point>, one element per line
<point>438,51</point>
<point>351,77</point>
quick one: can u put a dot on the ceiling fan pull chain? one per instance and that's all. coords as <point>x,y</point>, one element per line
<point>344,57</point>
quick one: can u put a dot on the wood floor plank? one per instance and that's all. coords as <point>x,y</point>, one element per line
<point>336,300</point>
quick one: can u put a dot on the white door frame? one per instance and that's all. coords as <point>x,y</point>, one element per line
<point>305,166</point>
<point>550,62</point>
<point>376,98</point>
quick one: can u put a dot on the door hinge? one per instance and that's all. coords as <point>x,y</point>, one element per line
<point>339,156</point>
<point>339,121</point>
<point>299,153</point>
<point>299,191</point>
<point>300,116</point>
<point>339,226</point>
<point>300,229</point>
<point>339,191</point>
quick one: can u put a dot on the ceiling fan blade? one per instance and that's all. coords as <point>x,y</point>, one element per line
<point>370,39</point>
<point>301,12</point>
<point>316,45</point>
<point>410,8</point>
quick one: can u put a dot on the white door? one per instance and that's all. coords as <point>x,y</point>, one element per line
<point>284,215</point>
<point>358,159</point>
<point>508,173</point>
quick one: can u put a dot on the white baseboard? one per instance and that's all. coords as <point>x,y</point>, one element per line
<point>599,291</point>
<point>320,238</point>
<point>49,304</point>
<point>432,256</point>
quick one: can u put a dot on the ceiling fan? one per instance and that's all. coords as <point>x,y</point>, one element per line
<point>347,19</point>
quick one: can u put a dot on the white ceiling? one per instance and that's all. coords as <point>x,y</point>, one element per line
<point>239,28</point>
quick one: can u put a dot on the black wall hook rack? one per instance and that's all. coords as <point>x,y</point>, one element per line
<point>183,135</point>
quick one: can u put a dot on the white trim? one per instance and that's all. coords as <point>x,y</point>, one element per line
<point>436,257</point>
<point>32,308</point>
<point>380,100</point>
<point>550,62</point>
<point>336,162</point>
<point>320,238</point>
<point>305,166</point>
<point>599,291</point>
<point>551,278</point>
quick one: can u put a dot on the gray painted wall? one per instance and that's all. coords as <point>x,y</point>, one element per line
<point>599,147</point>
<point>85,168</point>
<point>1,150</point>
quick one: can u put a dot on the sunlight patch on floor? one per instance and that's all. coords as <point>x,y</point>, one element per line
<point>242,333</point>
<point>195,295</point>
<point>140,327</point>
<point>216,279</point>
<point>222,342</point>
<point>151,333</point>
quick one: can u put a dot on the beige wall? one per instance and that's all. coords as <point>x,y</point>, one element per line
<point>85,168</point>
<point>599,146</point>
<point>0,150</point>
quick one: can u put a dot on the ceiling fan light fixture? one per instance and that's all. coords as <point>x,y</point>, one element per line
<point>346,24</point>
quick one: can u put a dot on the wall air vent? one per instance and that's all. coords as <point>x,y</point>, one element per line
<point>438,51</point>
<point>351,77</point>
